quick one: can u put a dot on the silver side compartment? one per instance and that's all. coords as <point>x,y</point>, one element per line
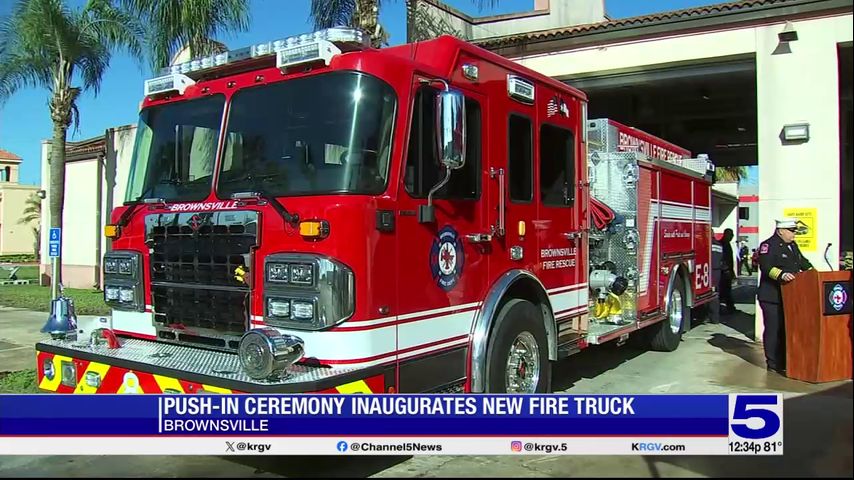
<point>614,179</point>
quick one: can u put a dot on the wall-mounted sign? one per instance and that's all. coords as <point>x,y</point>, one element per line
<point>807,235</point>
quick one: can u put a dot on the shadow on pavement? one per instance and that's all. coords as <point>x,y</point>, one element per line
<point>743,349</point>
<point>315,466</point>
<point>742,319</point>
<point>591,363</point>
<point>817,441</point>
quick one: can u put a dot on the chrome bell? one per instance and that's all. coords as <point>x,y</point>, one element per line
<point>62,322</point>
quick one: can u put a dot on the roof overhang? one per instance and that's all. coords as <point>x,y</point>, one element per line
<point>708,18</point>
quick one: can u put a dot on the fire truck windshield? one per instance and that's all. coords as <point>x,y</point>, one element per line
<point>175,150</point>
<point>327,133</point>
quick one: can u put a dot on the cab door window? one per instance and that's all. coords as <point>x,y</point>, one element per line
<point>520,159</point>
<point>423,169</point>
<point>557,166</point>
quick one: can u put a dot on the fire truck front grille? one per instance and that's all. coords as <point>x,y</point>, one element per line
<point>192,315</point>
<point>197,292</point>
<point>207,256</point>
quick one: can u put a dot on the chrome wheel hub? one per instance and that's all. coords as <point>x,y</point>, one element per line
<point>523,364</point>
<point>675,315</point>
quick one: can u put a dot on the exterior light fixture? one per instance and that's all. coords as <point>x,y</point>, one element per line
<point>789,34</point>
<point>796,132</point>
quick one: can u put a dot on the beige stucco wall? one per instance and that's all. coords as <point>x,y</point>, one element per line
<point>82,230</point>
<point>801,86</point>
<point>79,225</point>
<point>14,237</point>
<point>117,169</point>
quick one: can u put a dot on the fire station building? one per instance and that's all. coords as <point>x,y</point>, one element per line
<point>756,82</point>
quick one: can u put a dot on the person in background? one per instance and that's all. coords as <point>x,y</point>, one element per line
<point>727,272</point>
<point>779,261</point>
<point>744,259</point>
<point>754,260</point>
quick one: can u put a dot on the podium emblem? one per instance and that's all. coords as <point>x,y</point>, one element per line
<point>838,297</point>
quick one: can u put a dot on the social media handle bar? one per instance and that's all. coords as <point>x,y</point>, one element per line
<point>755,424</point>
<point>529,446</point>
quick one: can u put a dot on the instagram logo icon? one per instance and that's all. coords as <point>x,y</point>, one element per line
<point>516,446</point>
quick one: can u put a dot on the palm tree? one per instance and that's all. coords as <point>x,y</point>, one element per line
<point>178,24</point>
<point>32,216</point>
<point>362,14</point>
<point>44,43</point>
<point>730,174</point>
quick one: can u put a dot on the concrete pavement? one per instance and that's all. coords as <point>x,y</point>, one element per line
<point>711,359</point>
<point>19,332</point>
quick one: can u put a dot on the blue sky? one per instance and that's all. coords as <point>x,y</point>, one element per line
<point>24,120</point>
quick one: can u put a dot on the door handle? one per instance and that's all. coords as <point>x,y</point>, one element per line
<point>499,228</point>
<point>479,237</point>
<point>573,235</point>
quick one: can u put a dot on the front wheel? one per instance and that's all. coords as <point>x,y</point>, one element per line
<point>667,334</point>
<point>517,359</point>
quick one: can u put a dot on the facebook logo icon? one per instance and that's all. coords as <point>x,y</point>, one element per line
<point>342,446</point>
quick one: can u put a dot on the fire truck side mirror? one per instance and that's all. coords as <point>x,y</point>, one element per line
<point>451,128</point>
<point>451,143</point>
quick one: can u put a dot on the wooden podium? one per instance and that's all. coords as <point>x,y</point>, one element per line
<point>817,307</point>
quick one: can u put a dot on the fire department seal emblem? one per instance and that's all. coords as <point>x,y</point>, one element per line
<point>447,258</point>
<point>838,297</point>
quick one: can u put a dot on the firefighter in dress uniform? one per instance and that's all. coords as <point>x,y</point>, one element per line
<point>779,261</point>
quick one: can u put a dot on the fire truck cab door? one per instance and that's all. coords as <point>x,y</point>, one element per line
<point>442,265</point>
<point>559,226</point>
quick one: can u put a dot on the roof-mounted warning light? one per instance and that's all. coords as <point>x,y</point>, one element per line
<point>288,52</point>
<point>169,83</point>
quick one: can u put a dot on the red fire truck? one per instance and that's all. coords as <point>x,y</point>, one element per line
<point>313,215</point>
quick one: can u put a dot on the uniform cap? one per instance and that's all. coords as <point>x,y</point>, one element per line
<point>787,223</point>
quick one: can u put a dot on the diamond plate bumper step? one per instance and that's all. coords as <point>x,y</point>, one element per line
<point>204,366</point>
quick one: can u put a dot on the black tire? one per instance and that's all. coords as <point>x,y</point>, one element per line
<point>517,320</point>
<point>663,337</point>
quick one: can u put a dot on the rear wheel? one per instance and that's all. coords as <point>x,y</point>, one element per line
<point>666,334</point>
<point>517,359</point>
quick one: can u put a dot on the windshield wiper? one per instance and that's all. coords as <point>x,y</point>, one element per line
<point>288,217</point>
<point>123,219</point>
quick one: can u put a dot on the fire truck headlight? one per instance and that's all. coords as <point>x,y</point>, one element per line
<point>277,272</point>
<point>125,266</point>
<point>123,288</point>
<point>279,307</point>
<point>111,294</point>
<point>320,291</point>
<point>126,294</point>
<point>265,353</point>
<point>302,310</point>
<point>302,274</point>
<point>111,265</point>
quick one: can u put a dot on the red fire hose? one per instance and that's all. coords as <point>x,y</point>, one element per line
<point>601,213</point>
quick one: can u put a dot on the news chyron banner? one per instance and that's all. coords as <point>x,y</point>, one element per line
<point>736,424</point>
